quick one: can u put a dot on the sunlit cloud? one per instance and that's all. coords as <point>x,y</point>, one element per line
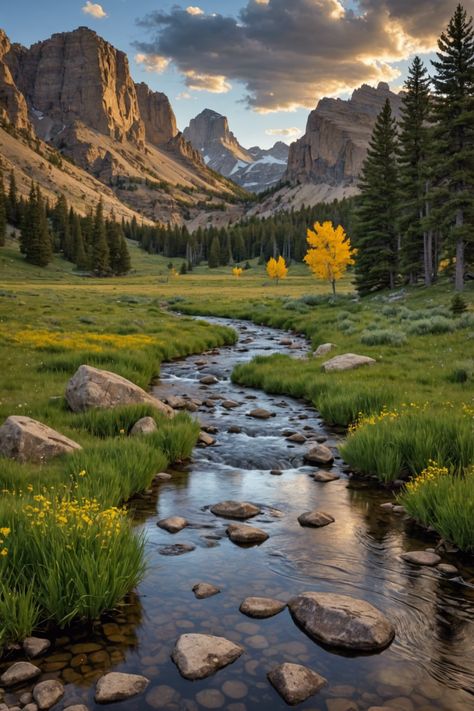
<point>152,62</point>
<point>215,83</point>
<point>292,132</point>
<point>183,96</point>
<point>193,10</point>
<point>94,9</point>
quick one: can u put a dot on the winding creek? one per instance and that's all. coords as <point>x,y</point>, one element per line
<point>430,664</point>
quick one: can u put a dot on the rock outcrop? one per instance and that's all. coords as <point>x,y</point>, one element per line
<point>157,115</point>
<point>337,135</point>
<point>28,440</point>
<point>13,107</point>
<point>255,169</point>
<point>91,387</point>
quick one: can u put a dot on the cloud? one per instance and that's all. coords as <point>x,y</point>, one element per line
<point>290,54</point>
<point>292,132</point>
<point>193,10</point>
<point>94,9</point>
<point>152,62</point>
<point>183,96</point>
<point>215,83</point>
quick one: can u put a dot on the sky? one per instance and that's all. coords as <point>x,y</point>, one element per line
<point>262,63</point>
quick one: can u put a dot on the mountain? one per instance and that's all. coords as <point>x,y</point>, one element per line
<point>71,99</point>
<point>255,169</point>
<point>325,163</point>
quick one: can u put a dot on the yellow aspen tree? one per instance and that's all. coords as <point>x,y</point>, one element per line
<point>237,271</point>
<point>277,269</point>
<point>330,252</point>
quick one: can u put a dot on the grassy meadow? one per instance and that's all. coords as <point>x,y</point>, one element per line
<point>415,405</point>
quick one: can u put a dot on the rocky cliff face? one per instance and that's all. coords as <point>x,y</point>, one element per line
<point>78,76</point>
<point>337,135</point>
<point>13,108</point>
<point>254,169</point>
<point>157,115</point>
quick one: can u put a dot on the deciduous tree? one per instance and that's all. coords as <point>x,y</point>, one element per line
<point>330,252</point>
<point>277,269</point>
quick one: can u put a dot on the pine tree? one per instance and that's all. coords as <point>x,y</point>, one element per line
<point>454,136</point>
<point>214,253</point>
<point>124,263</point>
<point>12,202</point>
<point>3,213</point>
<point>37,243</point>
<point>80,256</point>
<point>60,222</point>
<point>416,255</point>
<point>376,236</point>
<point>100,250</point>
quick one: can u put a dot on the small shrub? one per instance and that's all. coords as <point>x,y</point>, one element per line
<point>383,337</point>
<point>434,325</point>
<point>458,375</point>
<point>458,305</point>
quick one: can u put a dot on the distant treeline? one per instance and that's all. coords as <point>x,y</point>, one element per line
<point>93,243</point>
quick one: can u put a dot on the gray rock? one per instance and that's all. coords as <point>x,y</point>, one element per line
<point>173,524</point>
<point>176,549</point>
<point>447,569</point>
<point>205,439</point>
<point>245,535</point>
<point>177,403</point>
<point>18,673</point>
<point>204,590</point>
<point>48,693</point>
<point>315,519</point>
<point>30,707</point>
<point>324,477</point>
<point>144,426</point>
<point>162,476</point>
<point>28,440</point>
<point>240,510</point>
<point>25,698</point>
<point>117,686</point>
<point>347,361</point>
<point>387,506</point>
<point>34,646</point>
<point>319,454</point>
<point>296,438</point>
<point>260,414</point>
<point>230,404</point>
<point>261,607</point>
<point>396,508</point>
<point>198,656</point>
<point>208,380</point>
<point>91,387</point>
<point>323,349</point>
<point>421,558</point>
<point>341,621</point>
<point>295,683</point>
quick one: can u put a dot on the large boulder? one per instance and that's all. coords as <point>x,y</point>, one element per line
<point>144,426</point>
<point>19,673</point>
<point>341,621</point>
<point>347,361</point>
<point>319,454</point>
<point>47,693</point>
<point>261,607</point>
<point>91,387</point>
<point>117,686</point>
<point>315,519</point>
<point>235,509</point>
<point>246,535</point>
<point>295,683</point>
<point>323,349</point>
<point>198,656</point>
<point>28,440</point>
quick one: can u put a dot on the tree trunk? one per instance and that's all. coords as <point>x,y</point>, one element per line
<point>459,276</point>
<point>333,282</point>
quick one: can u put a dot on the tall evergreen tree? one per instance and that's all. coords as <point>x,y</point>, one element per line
<point>12,202</point>
<point>416,254</point>
<point>38,246</point>
<point>61,228</point>
<point>376,235</point>
<point>3,213</point>
<point>124,263</point>
<point>80,255</point>
<point>100,250</point>
<point>454,136</point>
<point>214,256</point>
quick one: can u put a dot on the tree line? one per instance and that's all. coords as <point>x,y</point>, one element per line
<point>416,207</point>
<point>93,243</point>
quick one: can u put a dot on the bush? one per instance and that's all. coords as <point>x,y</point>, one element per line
<point>383,337</point>
<point>458,375</point>
<point>458,305</point>
<point>434,325</point>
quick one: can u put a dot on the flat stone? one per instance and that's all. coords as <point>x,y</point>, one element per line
<point>177,403</point>
<point>347,361</point>
<point>260,414</point>
<point>245,535</point>
<point>176,549</point>
<point>117,686</point>
<point>28,707</point>
<point>162,476</point>
<point>297,438</point>
<point>234,429</point>
<point>204,590</point>
<point>91,387</point>
<point>315,519</point>
<point>421,558</point>
<point>396,508</point>
<point>295,683</point>
<point>34,646</point>
<point>323,349</point>
<point>341,621</point>
<point>48,693</point>
<point>28,440</point>
<point>198,656</point>
<point>261,607</point>
<point>210,698</point>
<point>205,439</point>
<point>447,569</point>
<point>235,509</point>
<point>319,454</point>
<point>173,524</point>
<point>208,380</point>
<point>325,476</point>
<point>235,689</point>
<point>387,506</point>
<point>230,404</point>
<point>276,472</point>
<point>18,673</point>
<point>144,426</point>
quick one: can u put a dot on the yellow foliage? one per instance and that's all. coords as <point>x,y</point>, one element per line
<point>45,340</point>
<point>330,252</point>
<point>276,268</point>
<point>237,271</point>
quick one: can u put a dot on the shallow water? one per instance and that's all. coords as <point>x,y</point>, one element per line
<point>428,666</point>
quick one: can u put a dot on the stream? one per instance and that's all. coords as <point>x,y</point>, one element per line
<point>428,667</point>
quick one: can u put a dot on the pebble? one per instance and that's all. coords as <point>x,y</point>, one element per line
<point>235,689</point>
<point>210,698</point>
<point>421,558</point>
<point>205,590</point>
